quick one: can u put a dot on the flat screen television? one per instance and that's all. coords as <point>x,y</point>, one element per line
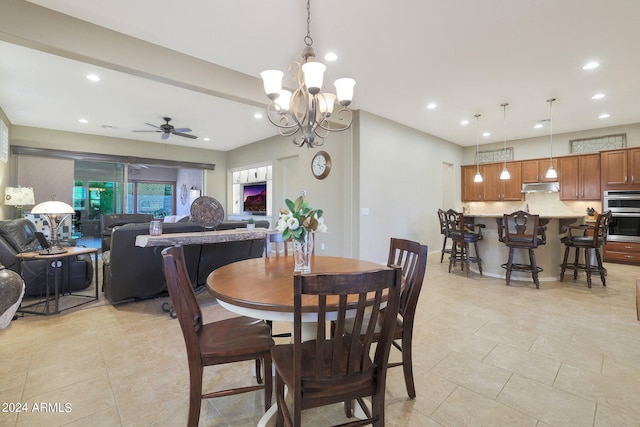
<point>254,198</point>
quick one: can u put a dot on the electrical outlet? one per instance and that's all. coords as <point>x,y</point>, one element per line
<point>322,246</point>
<point>304,193</point>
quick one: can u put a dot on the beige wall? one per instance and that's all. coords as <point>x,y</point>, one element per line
<point>532,148</point>
<point>5,173</point>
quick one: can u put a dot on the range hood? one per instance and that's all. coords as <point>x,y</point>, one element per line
<point>541,187</point>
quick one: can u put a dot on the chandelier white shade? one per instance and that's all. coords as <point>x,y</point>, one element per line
<point>478,177</point>
<point>304,114</point>
<point>505,172</point>
<point>551,173</point>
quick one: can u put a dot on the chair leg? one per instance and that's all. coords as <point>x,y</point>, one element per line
<point>603,271</point>
<point>268,380</point>
<point>576,262</point>
<point>467,260</point>
<point>407,364</point>
<point>195,395</point>
<point>587,265</point>
<point>475,246</point>
<point>564,262</point>
<point>534,267</point>
<point>444,245</point>
<point>509,265</point>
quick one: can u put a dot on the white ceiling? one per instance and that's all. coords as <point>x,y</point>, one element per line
<point>467,56</point>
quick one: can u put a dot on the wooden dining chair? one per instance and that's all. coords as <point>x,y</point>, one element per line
<point>338,368</point>
<point>225,341</point>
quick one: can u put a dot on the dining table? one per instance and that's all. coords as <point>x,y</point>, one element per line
<point>262,288</point>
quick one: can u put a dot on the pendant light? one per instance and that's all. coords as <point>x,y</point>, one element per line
<point>551,173</point>
<point>478,177</point>
<point>505,172</point>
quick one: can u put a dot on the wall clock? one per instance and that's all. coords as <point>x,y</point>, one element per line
<point>321,165</point>
<point>184,194</point>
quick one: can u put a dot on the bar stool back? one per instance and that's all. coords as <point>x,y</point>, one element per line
<point>522,230</point>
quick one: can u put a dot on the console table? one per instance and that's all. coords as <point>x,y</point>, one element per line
<point>198,238</point>
<point>57,262</point>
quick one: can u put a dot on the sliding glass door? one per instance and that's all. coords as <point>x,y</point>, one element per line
<point>155,198</point>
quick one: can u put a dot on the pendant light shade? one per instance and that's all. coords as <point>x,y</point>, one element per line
<point>478,177</point>
<point>505,172</point>
<point>551,173</point>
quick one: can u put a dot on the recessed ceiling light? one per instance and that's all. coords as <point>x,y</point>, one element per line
<point>538,125</point>
<point>257,116</point>
<point>83,120</point>
<point>431,106</point>
<point>331,57</point>
<point>206,138</point>
<point>486,134</point>
<point>591,65</point>
<point>598,96</point>
<point>604,116</point>
<point>93,77</point>
<point>464,122</point>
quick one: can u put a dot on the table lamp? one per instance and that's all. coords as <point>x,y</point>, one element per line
<point>19,197</point>
<point>55,213</point>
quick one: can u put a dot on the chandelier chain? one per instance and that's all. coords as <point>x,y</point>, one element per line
<point>308,40</point>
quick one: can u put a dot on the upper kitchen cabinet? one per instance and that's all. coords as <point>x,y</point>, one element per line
<point>471,191</point>
<point>579,177</point>
<point>492,188</point>
<point>534,171</point>
<point>620,169</point>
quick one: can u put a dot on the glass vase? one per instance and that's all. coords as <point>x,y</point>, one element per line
<point>302,252</point>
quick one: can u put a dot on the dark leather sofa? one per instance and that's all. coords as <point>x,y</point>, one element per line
<point>18,235</point>
<point>131,272</point>
<point>108,221</point>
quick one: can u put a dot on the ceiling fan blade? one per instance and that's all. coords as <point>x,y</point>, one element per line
<point>157,127</point>
<point>186,135</point>
<point>165,135</point>
<point>181,130</point>
<point>148,131</point>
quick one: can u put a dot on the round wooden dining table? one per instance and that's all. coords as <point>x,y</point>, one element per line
<point>262,288</point>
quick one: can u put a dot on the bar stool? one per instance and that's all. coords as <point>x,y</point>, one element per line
<point>462,235</point>
<point>522,230</point>
<point>591,237</point>
<point>442,217</point>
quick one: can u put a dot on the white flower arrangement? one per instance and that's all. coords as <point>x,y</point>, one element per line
<point>299,219</point>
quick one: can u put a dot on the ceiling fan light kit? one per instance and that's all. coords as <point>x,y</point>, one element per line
<point>307,110</point>
<point>168,130</point>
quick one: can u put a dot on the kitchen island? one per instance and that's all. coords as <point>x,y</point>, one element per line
<point>494,253</point>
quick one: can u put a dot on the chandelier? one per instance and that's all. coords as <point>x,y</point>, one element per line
<point>304,114</point>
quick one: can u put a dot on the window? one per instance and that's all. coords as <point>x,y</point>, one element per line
<point>155,198</point>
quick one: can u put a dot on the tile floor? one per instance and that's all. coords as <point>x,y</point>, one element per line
<point>484,354</point>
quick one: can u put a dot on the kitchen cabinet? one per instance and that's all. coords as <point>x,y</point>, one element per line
<point>471,191</point>
<point>492,189</point>
<point>579,177</point>
<point>622,252</point>
<point>621,169</point>
<point>534,171</point>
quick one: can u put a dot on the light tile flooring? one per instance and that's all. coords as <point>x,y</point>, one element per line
<point>484,354</point>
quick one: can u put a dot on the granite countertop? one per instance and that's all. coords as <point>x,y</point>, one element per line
<point>499,215</point>
<point>170,239</point>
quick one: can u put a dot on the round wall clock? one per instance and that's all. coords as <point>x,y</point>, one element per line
<point>321,165</point>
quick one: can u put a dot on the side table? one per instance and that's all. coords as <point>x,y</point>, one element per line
<point>60,268</point>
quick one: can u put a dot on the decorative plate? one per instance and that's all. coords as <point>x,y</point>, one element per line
<point>207,211</point>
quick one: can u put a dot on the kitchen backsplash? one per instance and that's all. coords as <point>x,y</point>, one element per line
<point>546,204</point>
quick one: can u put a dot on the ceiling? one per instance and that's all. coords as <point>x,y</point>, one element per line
<point>466,56</point>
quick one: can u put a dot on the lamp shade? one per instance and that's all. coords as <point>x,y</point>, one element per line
<point>272,80</point>
<point>19,196</point>
<point>52,207</point>
<point>313,76</point>
<point>344,90</point>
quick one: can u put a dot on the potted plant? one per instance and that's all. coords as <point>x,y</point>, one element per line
<point>251,224</point>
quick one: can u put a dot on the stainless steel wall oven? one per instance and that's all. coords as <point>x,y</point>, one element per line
<point>625,214</point>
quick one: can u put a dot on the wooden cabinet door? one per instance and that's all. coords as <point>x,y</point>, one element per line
<point>614,168</point>
<point>590,177</point>
<point>530,171</point>
<point>569,178</point>
<point>492,186</point>
<point>634,167</point>
<point>471,191</point>
<point>512,188</point>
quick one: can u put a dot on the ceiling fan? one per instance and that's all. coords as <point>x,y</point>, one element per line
<point>168,129</point>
